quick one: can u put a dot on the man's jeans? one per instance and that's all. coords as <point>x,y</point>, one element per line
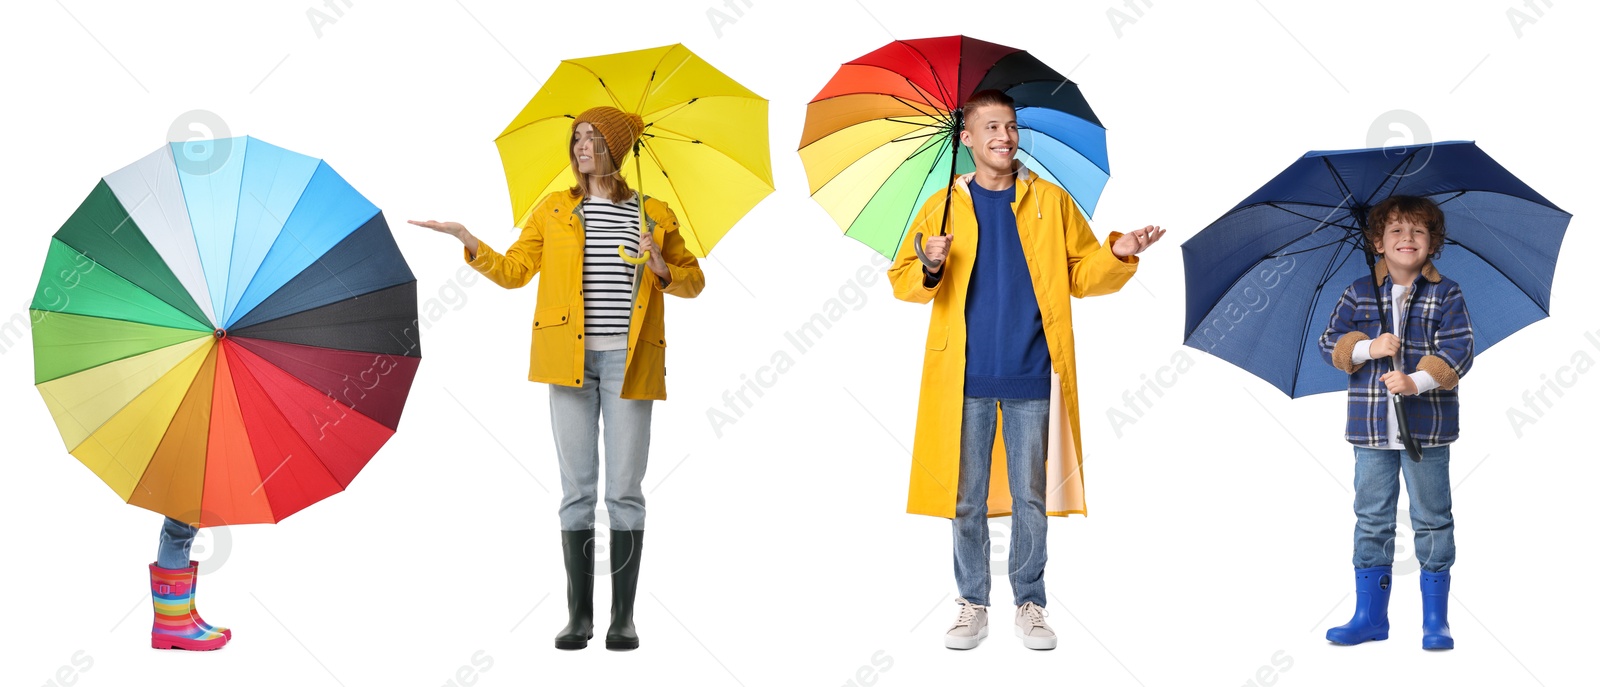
<point>575,418</point>
<point>1026,428</point>
<point>1378,491</point>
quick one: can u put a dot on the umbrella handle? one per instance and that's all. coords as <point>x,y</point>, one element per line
<point>1412,444</point>
<point>643,258</point>
<point>916,244</point>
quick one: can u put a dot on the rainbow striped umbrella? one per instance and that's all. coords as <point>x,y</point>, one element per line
<point>883,135</point>
<point>225,332</point>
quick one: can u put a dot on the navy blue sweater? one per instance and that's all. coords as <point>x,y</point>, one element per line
<point>1007,356</point>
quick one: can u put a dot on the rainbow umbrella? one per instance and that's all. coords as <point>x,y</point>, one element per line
<point>883,135</point>
<point>703,150</point>
<point>225,332</point>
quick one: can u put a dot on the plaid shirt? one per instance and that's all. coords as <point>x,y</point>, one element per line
<point>1437,338</point>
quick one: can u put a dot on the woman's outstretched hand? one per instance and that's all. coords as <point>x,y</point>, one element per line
<point>454,229</point>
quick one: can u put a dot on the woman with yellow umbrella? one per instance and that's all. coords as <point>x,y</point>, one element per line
<point>608,254</point>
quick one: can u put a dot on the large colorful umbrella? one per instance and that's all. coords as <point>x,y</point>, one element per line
<point>703,150</point>
<point>883,135</point>
<point>225,332</point>
<point>1263,279</point>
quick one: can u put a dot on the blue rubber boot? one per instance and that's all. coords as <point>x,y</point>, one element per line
<point>1371,621</point>
<point>1435,603</point>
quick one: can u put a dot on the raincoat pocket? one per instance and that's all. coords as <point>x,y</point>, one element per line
<point>551,317</point>
<point>937,337</point>
<point>652,354</point>
<point>554,344</point>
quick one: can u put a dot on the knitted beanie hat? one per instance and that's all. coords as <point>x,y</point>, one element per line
<point>619,129</point>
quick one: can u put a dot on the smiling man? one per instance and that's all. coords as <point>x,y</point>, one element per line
<point>1000,352</point>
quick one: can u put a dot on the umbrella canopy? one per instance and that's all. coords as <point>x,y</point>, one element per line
<point>882,136</point>
<point>225,332</point>
<point>703,151</point>
<point>1263,279</point>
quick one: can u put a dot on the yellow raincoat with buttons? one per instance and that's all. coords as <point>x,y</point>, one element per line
<point>1064,260</point>
<point>552,243</point>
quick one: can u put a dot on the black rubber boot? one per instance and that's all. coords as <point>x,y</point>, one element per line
<point>626,546</point>
<point>577,553</point>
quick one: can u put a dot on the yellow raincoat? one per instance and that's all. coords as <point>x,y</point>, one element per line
<point>552,243</point>
<point>1064,260</point>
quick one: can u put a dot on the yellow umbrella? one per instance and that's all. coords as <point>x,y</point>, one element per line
<point>703,151</point>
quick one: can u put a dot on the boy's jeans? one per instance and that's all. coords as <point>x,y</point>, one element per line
<point>176,538</point>
<point>1026,428</point>
<point>1377,493</point>
<point>575,416</point>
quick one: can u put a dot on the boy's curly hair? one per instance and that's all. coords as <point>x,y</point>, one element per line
<point>1415,208</point>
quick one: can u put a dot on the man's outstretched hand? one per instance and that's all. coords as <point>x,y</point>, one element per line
<point>1134,242</point>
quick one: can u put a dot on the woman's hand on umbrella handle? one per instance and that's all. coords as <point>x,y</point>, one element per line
<point>1134,242</point>
<point>1384,346</point>
<point>622,251</point>
<point>657,264</point>
<point>933,256</point>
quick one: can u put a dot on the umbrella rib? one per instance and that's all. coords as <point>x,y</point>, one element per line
<point>1343,187</point>
<point>240,367</point>
<point>1327,271</point>
<point>902,139</point>
<point>907,121</point>
<point>719,152</point>
<point>659,137</point>
<point>936,113</point>
<point>912,211</point>
<point>853,163</point>
<point>944,91</point>
<point>1394,174</point>
<point>644,93</point>
<point>614,101</point>
<point>1342,239</point>
<point>1324,221</point>
<point>674,111</point>
<point>858,160</point>
<point>1542,307</point>
<point>682,202</point>
<point>1271,253</point>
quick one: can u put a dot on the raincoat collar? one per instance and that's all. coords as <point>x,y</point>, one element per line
<point>1025,180</point>
<point>1024,176</point>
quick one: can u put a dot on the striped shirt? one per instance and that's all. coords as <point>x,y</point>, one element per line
<point>607,279</point>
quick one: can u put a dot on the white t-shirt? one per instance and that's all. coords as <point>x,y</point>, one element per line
<point>1423,380</point>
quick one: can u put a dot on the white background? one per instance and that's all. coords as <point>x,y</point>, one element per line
<point>1218,550</point>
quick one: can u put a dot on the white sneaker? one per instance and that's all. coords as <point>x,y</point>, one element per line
<point>971,626</point>
<point>1031,627</point>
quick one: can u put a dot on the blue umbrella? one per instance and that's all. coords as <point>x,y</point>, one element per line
<point>1263,279</point>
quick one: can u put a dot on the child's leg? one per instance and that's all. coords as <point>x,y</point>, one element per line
<point>1428,484</point>
<point>176,538</point>
<point>1377,495</point>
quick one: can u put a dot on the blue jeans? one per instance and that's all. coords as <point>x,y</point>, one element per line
<point>1377,493</point>
<point>176,538</point>
<point>575,418</point>
<point>1025,431</point>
